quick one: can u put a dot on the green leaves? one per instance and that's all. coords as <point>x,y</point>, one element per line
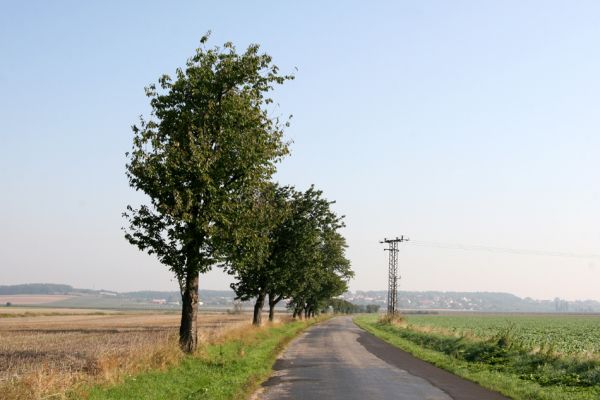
<point>325,271</point>
<point>205,157</point>
<point>207,145</point>
<point>291,248</point>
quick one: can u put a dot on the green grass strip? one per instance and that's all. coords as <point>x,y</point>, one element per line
<point>505,382</point>
<point>231,370</point>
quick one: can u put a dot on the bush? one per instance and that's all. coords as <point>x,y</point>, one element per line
<point>372,308</point>
<point>237,308</point>
<point>391,319</point>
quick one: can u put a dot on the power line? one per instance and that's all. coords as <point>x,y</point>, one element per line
<point>505,250</point>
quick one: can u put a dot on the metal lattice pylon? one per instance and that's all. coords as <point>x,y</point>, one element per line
<point>393,277</point>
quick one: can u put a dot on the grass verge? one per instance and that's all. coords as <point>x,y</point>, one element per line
<point>495,364</point>
<point>232,368</point>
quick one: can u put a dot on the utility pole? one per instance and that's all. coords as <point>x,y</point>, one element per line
<point>392,297</point>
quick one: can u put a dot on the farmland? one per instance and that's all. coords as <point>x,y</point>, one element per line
<point>522,356</point>
<point>575,335</point>
<point>32,299</point>
<point>44,352</point>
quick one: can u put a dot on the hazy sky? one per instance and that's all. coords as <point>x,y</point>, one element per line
<point>470,123</point>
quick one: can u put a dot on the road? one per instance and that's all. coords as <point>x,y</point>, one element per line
<point>338,360</point>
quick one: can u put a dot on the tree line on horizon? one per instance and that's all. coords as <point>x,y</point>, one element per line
<point>205,157</point>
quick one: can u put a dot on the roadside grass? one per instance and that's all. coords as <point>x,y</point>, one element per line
<point>231,368</point>
<point>499,363</point>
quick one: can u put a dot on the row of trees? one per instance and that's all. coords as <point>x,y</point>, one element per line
<point>288,247</point>
<point>341,306</point>
<point>205,158</point>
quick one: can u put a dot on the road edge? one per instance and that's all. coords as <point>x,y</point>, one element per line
<point>456,386</point>
<point>283,347</point>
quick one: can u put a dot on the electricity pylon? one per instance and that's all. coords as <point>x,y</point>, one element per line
<point>393,277</point>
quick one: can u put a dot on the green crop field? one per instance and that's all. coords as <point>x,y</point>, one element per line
<point>526,357</point>
<point>566,334</point>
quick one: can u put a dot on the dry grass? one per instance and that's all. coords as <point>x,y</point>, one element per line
<point>392,319</point>
<point>41,357</point>
<point>240,332</point>
<point>400,321</point>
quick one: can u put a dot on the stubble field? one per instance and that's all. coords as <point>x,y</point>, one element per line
<point>43,354</point>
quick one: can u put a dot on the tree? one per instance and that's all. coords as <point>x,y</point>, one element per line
<point>341,306</point>
<point>250,252</point>
<point>320,267</point>
<point>290,247</point>
<point>208,145</point>
<point>372,308</point>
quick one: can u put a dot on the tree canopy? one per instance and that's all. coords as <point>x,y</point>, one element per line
<point>299,253</point>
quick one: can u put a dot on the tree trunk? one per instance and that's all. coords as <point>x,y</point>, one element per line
<point>188,330</point>
<point>258,306</point>
<point>271,312</point>
<point>272,303</point>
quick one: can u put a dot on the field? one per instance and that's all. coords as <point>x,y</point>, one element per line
<point>44,352</point>
<point>22,299</point>
<point>575,335</point>
<point>523,356</point>
<point>14,312</point>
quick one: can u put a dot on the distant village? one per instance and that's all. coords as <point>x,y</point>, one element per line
<point>472,301</point>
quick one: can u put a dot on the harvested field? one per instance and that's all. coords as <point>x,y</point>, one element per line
<point>46,354</point>
<point>32,311</point>
<point>26,299</point>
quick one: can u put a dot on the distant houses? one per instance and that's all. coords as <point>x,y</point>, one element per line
<point>162,302</point>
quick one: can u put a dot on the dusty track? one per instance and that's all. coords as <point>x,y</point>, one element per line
<point>338,360</point>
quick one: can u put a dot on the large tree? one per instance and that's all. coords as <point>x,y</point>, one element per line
<point>206,147</point>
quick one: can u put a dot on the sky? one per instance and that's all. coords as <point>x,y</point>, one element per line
<point>463,123</point>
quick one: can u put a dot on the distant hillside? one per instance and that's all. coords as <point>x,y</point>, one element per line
<point>110,299</point>
<point>472,301</point>
<point>151,294</point>
<point>428,300</point>
<point>39,288</point>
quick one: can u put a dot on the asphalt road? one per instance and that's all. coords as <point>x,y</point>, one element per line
<point>338,360</point>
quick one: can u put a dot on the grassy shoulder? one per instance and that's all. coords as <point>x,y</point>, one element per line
<point>495,364</point>
<point>232,368</point>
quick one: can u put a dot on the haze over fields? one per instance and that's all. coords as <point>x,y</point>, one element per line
<point>471,127</point>
<point>56,295</point>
